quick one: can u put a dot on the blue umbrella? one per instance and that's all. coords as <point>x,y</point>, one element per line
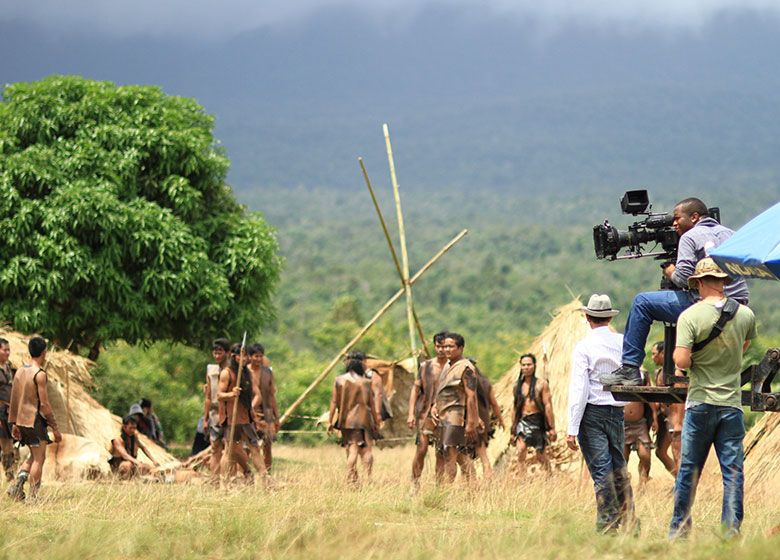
<point>754,250</point>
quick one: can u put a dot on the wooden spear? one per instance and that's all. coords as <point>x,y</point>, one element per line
<point>363,331</point>
<point>395,256</point>
<point>241,361</point>
<point>402,232</point>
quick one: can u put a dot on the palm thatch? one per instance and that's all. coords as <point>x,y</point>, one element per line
<point>397,381</point>
<point>553,349</point>
<point>89,428</point>
<point>762,449</point>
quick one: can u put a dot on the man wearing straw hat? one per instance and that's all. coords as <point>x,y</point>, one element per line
<point>712,336</point>
<point>596,418</point>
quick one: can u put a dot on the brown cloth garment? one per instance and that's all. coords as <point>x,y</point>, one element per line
<point>483,401</point>
<point>451,394</point>
<point>353,399</point>
<point>212,373</point>
<point>226,407</point>
<point>6,382</point>
<point>428,380</point>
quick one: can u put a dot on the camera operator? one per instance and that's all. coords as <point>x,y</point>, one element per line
<point>699,233</point>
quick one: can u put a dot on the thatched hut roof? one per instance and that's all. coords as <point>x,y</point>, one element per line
<point>553,349</point>
<point>762,449</point>
<point>397,381</point>
<point>90,425</point>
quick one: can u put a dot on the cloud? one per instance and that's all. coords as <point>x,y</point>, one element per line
<point>208,20</point>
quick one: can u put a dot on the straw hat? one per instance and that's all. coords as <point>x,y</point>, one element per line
<point>599,305</point>
<point>706,267</point>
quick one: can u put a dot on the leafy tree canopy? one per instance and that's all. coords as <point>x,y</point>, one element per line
<point>117,221</point>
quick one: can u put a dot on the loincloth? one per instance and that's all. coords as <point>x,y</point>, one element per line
<point>454,436</point>
<point>351,436</point>
<point>33,437</point>
<point>531,429</point>
<point>636,433</point>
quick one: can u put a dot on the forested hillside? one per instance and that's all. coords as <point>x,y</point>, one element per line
<point>524,256</point>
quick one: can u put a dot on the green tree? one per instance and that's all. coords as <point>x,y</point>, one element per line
<point>118,223</point>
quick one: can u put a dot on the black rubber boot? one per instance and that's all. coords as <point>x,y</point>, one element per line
<point>16,490</point>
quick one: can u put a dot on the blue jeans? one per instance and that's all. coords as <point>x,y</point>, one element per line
<point>602,438</point>
<point>664,305</point>
<point>704,425</point>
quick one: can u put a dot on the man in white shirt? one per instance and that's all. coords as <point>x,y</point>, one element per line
<point>596,418</point>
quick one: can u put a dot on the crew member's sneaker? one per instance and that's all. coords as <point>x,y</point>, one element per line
<point>624,375</point>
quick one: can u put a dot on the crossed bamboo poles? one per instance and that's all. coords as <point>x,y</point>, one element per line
<point>403,273</point>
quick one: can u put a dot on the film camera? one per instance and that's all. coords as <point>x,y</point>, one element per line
<point>656,230</point>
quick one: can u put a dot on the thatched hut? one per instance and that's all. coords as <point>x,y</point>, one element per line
<point>553,349</point>
<point>87,427</point>
<point>397,381</point>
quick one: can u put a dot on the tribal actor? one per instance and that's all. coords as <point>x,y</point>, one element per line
<point>670,418</point>
<point>124,451</point>
<point>29,415</point>
<point>699,234</point>
<point>488,405</point>
<point>420,402</point>
<point>457,410</point>
<point>596,419</point>
<point>354,413</point>
<point>713,415</point>
<point>533,418</point>
<point>220,350</point>
<point>6,383</point>
<point>266,411</point>
<point>247,394</point>
<point>639,419</point>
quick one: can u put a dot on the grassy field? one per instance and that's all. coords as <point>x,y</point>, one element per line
<point>307,512</point>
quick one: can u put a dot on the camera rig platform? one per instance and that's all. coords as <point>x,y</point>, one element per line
<point>760,396</point>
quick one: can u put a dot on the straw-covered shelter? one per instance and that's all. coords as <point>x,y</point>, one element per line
<point>397,380</point>
<point>87,427</point>
<point>553,349</point>
<point>762,449</point>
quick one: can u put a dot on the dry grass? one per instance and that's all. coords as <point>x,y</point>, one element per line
<point>308,512</point>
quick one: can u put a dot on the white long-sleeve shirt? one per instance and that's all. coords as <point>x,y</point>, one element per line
<point>598,353</point>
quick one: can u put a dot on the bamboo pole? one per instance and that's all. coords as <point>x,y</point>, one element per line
<point>368,325</point>
<point>241,361</point>
<point>395,256</point>
<point>402,233</point>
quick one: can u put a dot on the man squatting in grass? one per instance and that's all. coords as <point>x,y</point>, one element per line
<point>457,410</point>
<point>596,419</point>
<point>533,417</point>
<point>487,404</point>
<point>639,418</point>
<point>124,451</point>
<point>355,413</point>
<point>248,396</point>
<point>6,382</point>
<point>669,417</point>
<point>714,404</point>
<point>29,414</point>
<point>699,233</point>
<point>420,401</point>
<point>267,412</point>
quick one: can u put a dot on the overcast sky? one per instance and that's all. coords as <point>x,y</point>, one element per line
<point>206,19</point>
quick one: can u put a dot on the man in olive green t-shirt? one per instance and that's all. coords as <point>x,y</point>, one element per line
<point>714,405</point>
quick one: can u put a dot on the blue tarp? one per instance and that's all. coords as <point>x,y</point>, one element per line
<point>754,249</point>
